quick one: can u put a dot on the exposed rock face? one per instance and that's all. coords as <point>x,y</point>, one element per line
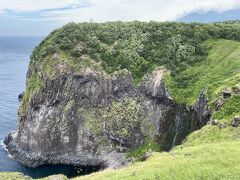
<point>82,118</point>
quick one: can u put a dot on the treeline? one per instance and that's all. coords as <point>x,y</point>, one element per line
<point>137,46</point>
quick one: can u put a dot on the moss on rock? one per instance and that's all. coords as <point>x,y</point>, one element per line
<point>34,83</point>
<point>138,153</point>
<point>122,120</point>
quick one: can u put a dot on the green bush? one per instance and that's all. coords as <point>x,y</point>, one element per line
<point>137,46</point>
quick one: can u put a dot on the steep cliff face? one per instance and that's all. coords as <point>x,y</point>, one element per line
<point>97,91</point>
<point>90,118</point>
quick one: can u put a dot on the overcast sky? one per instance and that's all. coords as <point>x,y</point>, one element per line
<point>38,17</point>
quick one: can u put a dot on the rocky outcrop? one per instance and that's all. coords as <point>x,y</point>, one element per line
<point>89,118</point>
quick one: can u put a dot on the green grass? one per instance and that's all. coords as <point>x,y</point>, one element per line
<point>139,152</point>
<point>221,69</point>
<point>208,161</point>
<point>19,176</point>
<point>230,109</point>
<point>11,176</point>
<point>34,84</point>
<point>212,134</point>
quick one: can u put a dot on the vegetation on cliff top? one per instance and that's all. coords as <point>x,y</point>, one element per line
<point>139,47</point>
<point>218,71</point>
<point>136,46</point>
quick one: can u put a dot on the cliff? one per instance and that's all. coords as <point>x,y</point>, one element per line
<point>98,91</point>
<point>81,119</point>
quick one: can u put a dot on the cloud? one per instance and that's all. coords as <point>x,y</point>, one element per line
<point>110,10</point>
<point>145,10</point>
<point>49,14</point>
<point>33,5</point>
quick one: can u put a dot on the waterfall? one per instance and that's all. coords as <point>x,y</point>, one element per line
<point>177,126</point>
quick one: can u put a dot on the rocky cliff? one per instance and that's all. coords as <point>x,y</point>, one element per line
<point>98,91</point>
<point>87,118</point>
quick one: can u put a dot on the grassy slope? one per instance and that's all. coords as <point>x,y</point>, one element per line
<point>208,161</point>
<point>212,152</point>
<point>221,69</point>
<point>213,134</point>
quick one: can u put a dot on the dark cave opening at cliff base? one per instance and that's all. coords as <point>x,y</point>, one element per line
<point>68,170</point>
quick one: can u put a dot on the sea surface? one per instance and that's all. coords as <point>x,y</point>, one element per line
<point>14,58</point>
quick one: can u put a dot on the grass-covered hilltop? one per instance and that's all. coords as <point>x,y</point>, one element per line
<point>138,89</point>
<point>191,53</point>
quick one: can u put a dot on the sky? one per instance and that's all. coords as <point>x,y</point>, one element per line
<point>39,17</point>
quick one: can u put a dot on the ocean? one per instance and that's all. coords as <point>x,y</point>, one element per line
<point>14,58</point>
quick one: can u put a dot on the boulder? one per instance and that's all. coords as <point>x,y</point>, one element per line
<point>227,93</point>
<point>219,103</point>
<point>116,160</point>
<point>236,121</point>
<point>214,122</point>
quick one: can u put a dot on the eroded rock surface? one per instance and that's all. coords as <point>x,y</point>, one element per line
<point>85,118</point>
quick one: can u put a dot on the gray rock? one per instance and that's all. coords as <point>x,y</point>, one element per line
<point>65,121</point>
<point>227,93</point>
<point>219,103</point>
<point>214,122</point>
<point>202,109</point>
<point>236,121</point>
<point>116,160</point>
<point>222,126</point>
<point>20,96</point>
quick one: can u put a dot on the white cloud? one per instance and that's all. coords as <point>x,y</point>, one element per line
<point>145,10</point>
<point>34,5</point>
<point>110,10</point>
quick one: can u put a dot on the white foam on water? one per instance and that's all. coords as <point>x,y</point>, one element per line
<point>3,146</point>
<point>9,156</point>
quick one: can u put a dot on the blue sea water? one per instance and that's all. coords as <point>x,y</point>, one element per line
<point>14,58</point>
